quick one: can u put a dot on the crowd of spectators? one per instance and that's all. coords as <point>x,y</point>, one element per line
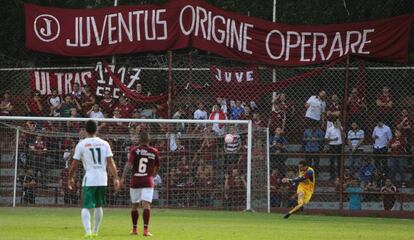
<point>194,160</point>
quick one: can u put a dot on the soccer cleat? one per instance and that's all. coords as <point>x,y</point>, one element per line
<point>88,236</point>
<point>286,216</point>
<point>134,231</point>
<point>147,233</point>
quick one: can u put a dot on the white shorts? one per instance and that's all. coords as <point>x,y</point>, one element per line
<point>141,194</point>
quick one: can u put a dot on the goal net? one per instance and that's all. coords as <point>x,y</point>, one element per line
<point>204,163</point>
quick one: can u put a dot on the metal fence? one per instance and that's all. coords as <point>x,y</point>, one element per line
<point>356,171</point>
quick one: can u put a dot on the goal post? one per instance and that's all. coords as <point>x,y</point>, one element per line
<point>217,177</point>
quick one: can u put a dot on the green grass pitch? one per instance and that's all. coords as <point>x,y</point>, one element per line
<point>65,223</point>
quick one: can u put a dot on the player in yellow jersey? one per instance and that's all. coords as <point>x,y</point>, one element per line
<point>305,183</point>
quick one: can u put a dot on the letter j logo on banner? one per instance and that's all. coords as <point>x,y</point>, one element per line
<point>46,27</point>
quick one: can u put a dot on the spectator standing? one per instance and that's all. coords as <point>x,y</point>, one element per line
<point>200,113</point>
<point>69,196</point>
<point>354,191</point>
<point>95,112</point>
<point>382,135</point>
<point>355,139</point>
<point>367,171</point>
<point>232,149</point>
<point>333,112</point>
<point>275,184</point>
<point>222,104</point>
<point>38,150</point>
<point>68,104</point>
<point>234,188</point>
<point>237,111</point>
<point>278,145</point>
<point>6,105</point>
<point>76,91</point>
<point>125,108</point>
<point>315,109</point>
<point>29,184</point>
<point>107,104</point>
<point>55,103</point>
<point>34,106</point>
<point>312,143</point>
<point>404,124</point>
<point>277,119</point>
<point>389,191</point>
<point>357,107</point>
<point>395,163</point>
<point>385,103</point>
<point>334,137</point>
<point>87,100</point>
<point>218,114</point>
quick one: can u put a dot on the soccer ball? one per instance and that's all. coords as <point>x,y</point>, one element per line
<point>229,138</point>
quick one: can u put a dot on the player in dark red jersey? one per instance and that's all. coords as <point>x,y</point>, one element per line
<point>144,162</point>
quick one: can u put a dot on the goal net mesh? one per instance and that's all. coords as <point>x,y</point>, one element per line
<point>199,168</point>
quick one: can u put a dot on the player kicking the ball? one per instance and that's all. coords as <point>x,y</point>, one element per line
<point>306,185</point>
<point>144,163</point>
<point>96,156</point>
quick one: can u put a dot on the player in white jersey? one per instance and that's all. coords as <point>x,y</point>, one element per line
<point>96,155</point>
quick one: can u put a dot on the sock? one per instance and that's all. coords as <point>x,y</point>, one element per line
<point>86,220</point>
<point>146,216</point>
<point>98,215</point>
<point>134,217</point>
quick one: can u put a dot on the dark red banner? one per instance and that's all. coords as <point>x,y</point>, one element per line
<point>236,83</point>
<point>119,80</point>
<point>184,23</point>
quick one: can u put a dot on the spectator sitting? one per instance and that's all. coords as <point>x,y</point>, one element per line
<point>87,100</point>
<point>395,163</point>
<point>125,108</point>
<point>107,104</point>
<point>237,111</point>
<point>278,145</point>
<point>382,135</point>
<point>68,104</point>
<point>218,114</point>
<point>357,107</point>
<point>389,191</point>
<point>95,112</point>
<point>334,111</point>
<point>312,143</point>
<point>355,197</point>
<point>6,106</point>
<point>385,103</point>
<point>367,171</point>
<point>355,140</point>
<point>29,184</point>
<point>55,103</point>
<point>77,92</point>
<point>257,121</point>
<point>34,106</point>
<point>315,109</point>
